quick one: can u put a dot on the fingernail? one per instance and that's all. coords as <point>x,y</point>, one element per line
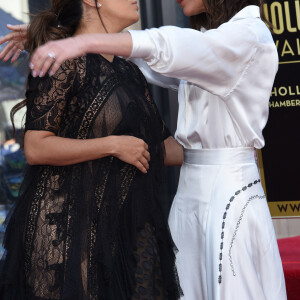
<point>51,73</point>
<point>31,66</point>
<point>41,74</point>
<point>8,24</point>
<point>34,73</point>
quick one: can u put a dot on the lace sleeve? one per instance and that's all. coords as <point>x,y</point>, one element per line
<point>47,98</point>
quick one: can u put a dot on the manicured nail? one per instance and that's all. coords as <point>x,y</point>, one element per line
<point>51,73</point>
<point>34,73</point>
<point>8,24</point>
<point>31,66</point>
<point>41,74</point>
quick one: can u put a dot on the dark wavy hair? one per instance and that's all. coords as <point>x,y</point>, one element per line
<point>218,12</point>
<point>60,21</point>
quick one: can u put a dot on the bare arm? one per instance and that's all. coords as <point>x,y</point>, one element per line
<point>45,148</point>
<point>118,44</point>
<point>51,55</point>
<point>174,152</point>
<point>114,43</point>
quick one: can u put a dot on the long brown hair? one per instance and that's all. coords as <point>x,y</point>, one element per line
<point>60,21</point>
<point>221,11</point>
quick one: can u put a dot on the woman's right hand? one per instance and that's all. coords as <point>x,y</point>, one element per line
<point>45,148</point>
<point>16,40</point>
<point>133,151</point>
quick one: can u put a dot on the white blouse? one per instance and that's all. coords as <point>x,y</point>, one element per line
<point>224,78</point>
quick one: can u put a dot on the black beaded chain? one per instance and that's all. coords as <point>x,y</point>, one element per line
<point>223,225</point>
<point>238,226</point>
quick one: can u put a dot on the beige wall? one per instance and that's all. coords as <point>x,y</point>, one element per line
<point>287,227</point>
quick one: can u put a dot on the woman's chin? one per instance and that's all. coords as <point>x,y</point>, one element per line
<point>137,18</point>
<point>134,20</point>
<point>187,12</point>
<point>191,12</point>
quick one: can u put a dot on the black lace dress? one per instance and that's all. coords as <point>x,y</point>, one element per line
<point>93,230</point>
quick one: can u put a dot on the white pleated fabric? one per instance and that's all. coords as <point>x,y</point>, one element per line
<point>222,227</point>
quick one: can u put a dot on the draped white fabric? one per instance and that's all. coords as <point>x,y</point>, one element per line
<point>222,227</point>
<point>226,78</point>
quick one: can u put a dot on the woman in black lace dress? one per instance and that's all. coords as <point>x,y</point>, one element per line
<point>88,224</point>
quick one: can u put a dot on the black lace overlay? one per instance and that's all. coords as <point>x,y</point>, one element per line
<point>93,230</point>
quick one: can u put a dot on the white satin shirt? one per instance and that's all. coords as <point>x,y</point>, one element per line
<point>224,78</point>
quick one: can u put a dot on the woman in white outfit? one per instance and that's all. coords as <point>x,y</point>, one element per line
<point>219,220</point>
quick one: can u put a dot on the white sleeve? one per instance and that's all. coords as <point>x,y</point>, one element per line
<point>154,77</point>
<point>215,60</point>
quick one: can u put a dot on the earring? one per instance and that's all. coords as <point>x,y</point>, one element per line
<point>99,4</point>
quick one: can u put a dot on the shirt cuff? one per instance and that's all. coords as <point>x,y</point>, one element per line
<point>142,45</point>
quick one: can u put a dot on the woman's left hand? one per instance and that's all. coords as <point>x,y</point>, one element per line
<point>50,56</point>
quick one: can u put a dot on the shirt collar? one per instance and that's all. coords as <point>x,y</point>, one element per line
<point>251,11</point>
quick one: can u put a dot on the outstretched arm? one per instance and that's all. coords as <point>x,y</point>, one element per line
<point>17,38</point>
<point>51,55</point>
<point>118,44</point>
<point>215,60</point>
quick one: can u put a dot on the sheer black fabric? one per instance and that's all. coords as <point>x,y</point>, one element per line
<point>93,230</point>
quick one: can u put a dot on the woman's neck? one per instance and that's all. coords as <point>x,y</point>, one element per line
<point>94,25</point>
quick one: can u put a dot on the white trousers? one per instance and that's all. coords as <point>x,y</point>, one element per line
<point>221,225</point>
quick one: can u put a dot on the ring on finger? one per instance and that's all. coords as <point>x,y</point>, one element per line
<point>51,55</point>
<point>20,50</point>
